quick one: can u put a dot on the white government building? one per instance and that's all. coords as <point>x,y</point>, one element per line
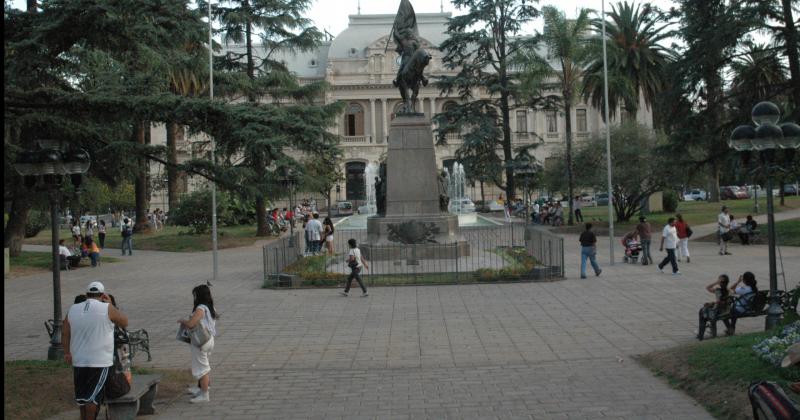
<point>360,69</point>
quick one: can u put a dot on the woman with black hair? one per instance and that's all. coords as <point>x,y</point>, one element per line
<point>710,310</point>
<point>745,289</point>
<point>204,314</point>
<point>327,233</point>
<point>356,262</point>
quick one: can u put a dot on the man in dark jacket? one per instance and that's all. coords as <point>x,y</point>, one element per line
<point>589,250</point>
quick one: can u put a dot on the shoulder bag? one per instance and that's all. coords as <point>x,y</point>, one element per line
<point>117,383</point>
<point>199,335</point>
<point>689,231</point>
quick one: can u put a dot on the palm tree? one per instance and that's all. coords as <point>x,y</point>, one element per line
<point>636,61</point>
<point>567,43</point>
<point>758,75</point>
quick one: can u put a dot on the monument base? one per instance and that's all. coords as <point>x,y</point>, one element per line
<point>433,237</point>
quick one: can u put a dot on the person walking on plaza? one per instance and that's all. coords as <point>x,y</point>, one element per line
<point>669,239</point>
<point>536,210</point>
<point>203,313</point>
<point>576,202</point>
<point>644,230</point>
<point>88,338</point>
<point>588,242</point>
<point>356,262</point>
<point>76,234</point>
<point>89,229</point>
<point>683,238</point>
<point>101,233</point>
<point>724,223</point>
<point>127,236</point>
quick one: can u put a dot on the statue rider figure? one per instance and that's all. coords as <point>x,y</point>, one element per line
<point>406,36</point>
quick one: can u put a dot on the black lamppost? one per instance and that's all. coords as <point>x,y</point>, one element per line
<point>765,138</point>
<point>288,180</point>
<point>45,169</point>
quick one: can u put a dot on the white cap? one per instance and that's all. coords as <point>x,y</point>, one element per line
<point>96,287</point>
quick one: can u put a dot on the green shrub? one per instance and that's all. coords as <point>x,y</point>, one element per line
<point>37,221</point>
<point>236,210</point>
<point>670,201</point>
<point>194,211</point>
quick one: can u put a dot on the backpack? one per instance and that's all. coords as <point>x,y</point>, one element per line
<point>770,402</point>
<point>126,231</point>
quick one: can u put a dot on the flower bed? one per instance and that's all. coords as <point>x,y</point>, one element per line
<point>773,349</point>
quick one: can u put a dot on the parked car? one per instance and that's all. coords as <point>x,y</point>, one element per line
<point>695,195</point>
<point>86,218</point>
<point>344,208</point>
<point>601,199</point>
<point>464,204</point>
<point>495,205</point>
<point>727,193</point>
<point>588,199</point>
<point>790,189</point>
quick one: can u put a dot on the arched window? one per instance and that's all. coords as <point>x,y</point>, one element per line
<point>448,163</point>
<point>354,120</point>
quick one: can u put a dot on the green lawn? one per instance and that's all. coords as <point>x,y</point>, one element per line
<point>33,262</point>
<point>717,372</point>
<point>37,389</point>
<point>171,238</point>
<point>695,212</point>
<point>787,233</point>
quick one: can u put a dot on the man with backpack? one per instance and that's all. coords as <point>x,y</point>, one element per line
<point>127,236</point>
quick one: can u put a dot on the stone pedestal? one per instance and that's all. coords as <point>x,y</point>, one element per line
<point>413,226</point>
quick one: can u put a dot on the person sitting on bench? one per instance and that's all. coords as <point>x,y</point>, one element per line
<point>709,311</point>
<point>745,295</point>
<point>746,231</point>
<point>67,257</point>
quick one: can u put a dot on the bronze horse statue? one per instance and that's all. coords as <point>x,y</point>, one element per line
<point>410,77</point>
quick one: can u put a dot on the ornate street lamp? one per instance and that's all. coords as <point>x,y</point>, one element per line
<point>45,169</point>
<point>765,138</point>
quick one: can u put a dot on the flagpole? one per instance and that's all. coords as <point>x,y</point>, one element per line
<point>608,140</point>
<point>213,148</point>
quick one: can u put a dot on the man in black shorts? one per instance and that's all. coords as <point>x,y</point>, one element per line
<point>88,337</point>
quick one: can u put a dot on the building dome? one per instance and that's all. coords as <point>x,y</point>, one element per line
<point>364,30</point>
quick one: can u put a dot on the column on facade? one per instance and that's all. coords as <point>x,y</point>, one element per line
<point>385,109</point>
<point>372,119</point>
<point>529,120</point>
<point>421,107</point>
<point>512,120</point>
<point>433,110</point>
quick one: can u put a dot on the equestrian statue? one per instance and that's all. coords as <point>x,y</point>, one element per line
<point>413,59</point>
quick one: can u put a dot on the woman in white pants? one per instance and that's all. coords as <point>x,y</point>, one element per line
<point>683,238</point>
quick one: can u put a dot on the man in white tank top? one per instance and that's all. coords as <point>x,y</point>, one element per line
<point>88,337</point>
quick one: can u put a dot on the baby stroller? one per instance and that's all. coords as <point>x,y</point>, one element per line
<point>632,250</point>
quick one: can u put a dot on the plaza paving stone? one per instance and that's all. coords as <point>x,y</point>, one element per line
<point>559,350</point>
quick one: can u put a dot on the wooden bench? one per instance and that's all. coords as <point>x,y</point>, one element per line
<point>139,401</point>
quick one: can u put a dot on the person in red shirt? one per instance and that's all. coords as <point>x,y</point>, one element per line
<point>683,237</point>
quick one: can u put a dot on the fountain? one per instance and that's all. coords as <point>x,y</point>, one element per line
<point>456,189</point>
<point>370,173</point>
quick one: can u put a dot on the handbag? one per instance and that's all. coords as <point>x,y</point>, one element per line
<point>689,232</point>
<point>727,236</point>
<point>183,335</point>
<point>117,384</point>
<point>199,335</point>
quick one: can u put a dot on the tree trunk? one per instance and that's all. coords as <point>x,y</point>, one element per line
<point>174,135</point>
<point>261,217</point>
<point>570,181</point>
<point>713,192</point>
<point>483,195</point>
<point>14,232</point>
<point>794,60</point>
<point>141,224</point>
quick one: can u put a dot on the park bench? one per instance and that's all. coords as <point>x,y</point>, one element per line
<point>139,401</point>
<point>758,307</point>
<point>139,340</point>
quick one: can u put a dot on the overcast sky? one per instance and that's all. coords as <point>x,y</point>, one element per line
<point>332,15</point>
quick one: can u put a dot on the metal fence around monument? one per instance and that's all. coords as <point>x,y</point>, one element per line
<point>500,253</point>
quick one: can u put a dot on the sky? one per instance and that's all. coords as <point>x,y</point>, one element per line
<point>332,15</point>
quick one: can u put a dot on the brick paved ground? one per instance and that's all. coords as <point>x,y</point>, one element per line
<point>546,350</point>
